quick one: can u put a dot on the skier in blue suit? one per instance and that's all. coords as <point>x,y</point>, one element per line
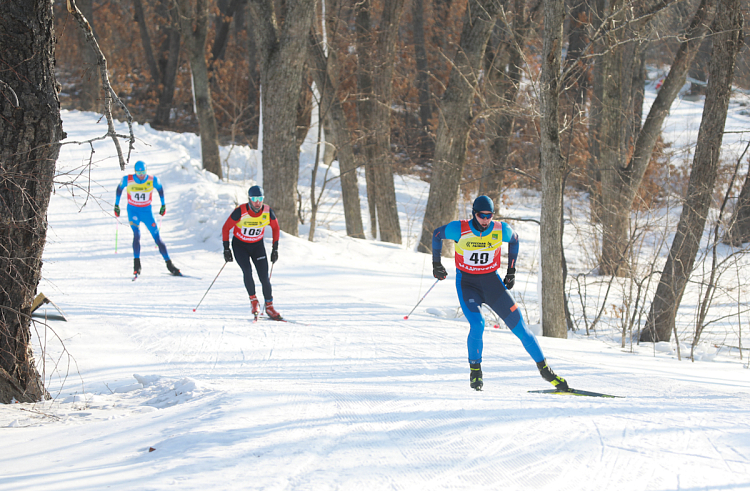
<point>139,187</point>
<point>477,257</point>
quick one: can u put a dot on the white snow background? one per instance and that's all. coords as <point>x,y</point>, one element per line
<point>150,395</point>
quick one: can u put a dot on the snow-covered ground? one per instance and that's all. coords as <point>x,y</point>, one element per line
<point>149,394</point>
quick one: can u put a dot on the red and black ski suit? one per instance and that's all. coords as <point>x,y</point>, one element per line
<point>248,227</point>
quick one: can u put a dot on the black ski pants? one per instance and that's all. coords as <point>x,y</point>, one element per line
<point>243,253</point>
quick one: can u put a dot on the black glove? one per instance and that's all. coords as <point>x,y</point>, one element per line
<point>162,210</point>
<point>275,252</point>
<point>510,278</point>
<point>227,253</point>
<point>117,211</point>
<point>438,271</point>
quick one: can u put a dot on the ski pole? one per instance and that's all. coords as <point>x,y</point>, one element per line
<point>209,287</point>
<point>263,310</point>
<point>420,300</point>
<point>117,233</point>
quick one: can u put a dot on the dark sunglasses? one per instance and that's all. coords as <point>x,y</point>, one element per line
<point>485,215</point>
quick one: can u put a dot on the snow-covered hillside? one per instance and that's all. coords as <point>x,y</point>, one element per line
<point>149,394</point>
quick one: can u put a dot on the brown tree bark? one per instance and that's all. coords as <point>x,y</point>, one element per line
<point>553,171</point>
<point>252,122</point>
<point>738,231</point>
<point>30,129</point>
<point>282,48</point>
<point>90,92</point>
<point>503,67</point>
<point>194,26</point>
<point>727,42</point>
<point>140,19</point>
<point>325,70</point>
<point>169,59</point>
<point>376,50</point>
<point>456,119</point>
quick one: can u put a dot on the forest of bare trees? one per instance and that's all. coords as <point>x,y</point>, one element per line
<point>473,96</point>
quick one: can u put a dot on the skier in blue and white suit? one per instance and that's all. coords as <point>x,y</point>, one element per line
<point>139,187</point>
<point>477,257</point>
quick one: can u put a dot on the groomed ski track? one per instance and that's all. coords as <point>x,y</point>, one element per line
<point>358,399</point>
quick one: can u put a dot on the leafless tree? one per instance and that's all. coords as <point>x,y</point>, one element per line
<point>194,16</point>
<point>376,49</point>
<point>282,47</point>
<point>455,119</point>
<point>727,41</point>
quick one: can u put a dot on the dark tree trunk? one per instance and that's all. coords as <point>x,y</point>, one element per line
<point>727,42</point>
<point>503,81</point>
<point>376,50</point>
<point>553,173</point>
<point>30,129</point>
<point>282,47</point>
<point>227,9</point>
<point>252,122</point>
<point>456,119</point>
<point>169,60</point>
<point>140,19</point>
<point>593,170</point>
<point>739,226</point>
<point>194,26</point>
<point>90,89</point>
<point>423,82</point>
<point>338,132</point>
<point>304,108</point>
<point>577,69</point>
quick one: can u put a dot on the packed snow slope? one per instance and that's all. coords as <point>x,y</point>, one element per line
<point>150,395</point>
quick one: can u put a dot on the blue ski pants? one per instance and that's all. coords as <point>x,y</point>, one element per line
<point>144,214</point>
<point>477,289</point>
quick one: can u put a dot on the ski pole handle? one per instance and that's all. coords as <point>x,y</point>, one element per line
<point>420,300</point>
<point>209,287</point>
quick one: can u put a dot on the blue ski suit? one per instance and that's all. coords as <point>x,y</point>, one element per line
<point>139,209</point>
<point>477,282</point>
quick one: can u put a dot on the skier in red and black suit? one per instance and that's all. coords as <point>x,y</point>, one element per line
<point>248,223</point>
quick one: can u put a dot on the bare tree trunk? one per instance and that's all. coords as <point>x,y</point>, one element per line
<point>252,126</point>
<point>140,19</point>
<point>376,50</point>
<point>727,42</point>
<point>423,83</point>
<point>620,182</point>
<point>456,119</point>
<point>282,49</point>
<point>739,226</point>
<point>30,129</point>
<point>90,91</point>
<point>501,88</point>
<point>169,60</point>
<point>194,26</point>
<point>304,108</point>
<point>553,170</point>
<point>227,9</point>
<point>338,132</point>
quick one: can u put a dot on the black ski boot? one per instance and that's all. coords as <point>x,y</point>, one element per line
<point>475,376</point>
<point>548,375</point>
<point>172,269</point>
<point>136,266</point>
